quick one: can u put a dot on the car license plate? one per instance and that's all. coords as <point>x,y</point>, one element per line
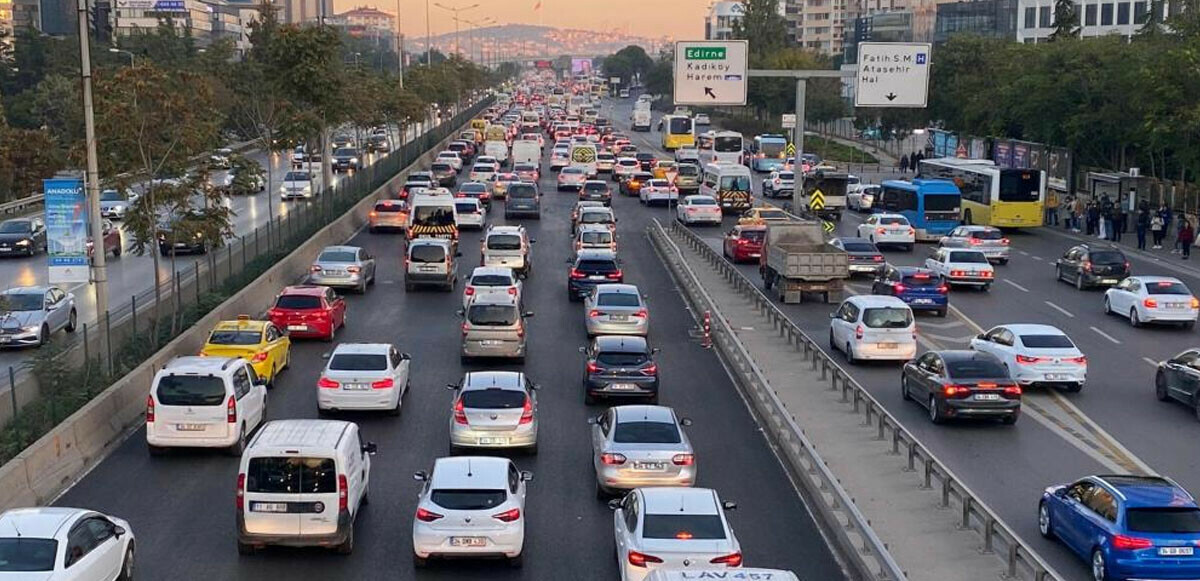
<point>648,465</point>
<point>596,277</point>
<point>468,541</point>
<point>297,327</point>
<point>1174,305</point>
<point>493,441</point>
<point>1175,551</point>
<point>622,386</point>
<point>888,345</point>
<point>355,386</point>
<point>491,342</point>
<point>190,427</point>
<point>922,301</point>
<point>987,396</point>
<point>1056,376</point>
<point>1108,281</point>
<point>429,269</point>
<point>268,507</point>
<point>619,317</point>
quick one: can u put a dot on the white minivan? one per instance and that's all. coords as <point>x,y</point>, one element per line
<point>204,402</point>
<point>526,152</point>
<point>584,155</point>
<point>301,483</point>
<point>749,574</point>
<point>873,327</point>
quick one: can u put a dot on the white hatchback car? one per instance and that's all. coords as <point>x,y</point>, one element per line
<point>470,213</point>
<point>1035,354</point>
<point>883,229</point>
<point>698,209</point>
<point>671,527</point>
<point>962,267</point>
<point>657,191</point>
<point>470,506</point>
<point>204,402</point>
<point>491,280</point>
<point>64,544</point>
<point>1152,299</point>
<point>873,327</point>
<point>363,376</point>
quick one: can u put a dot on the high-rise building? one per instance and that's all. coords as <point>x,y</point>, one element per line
<point>372,24</point>
<point>718,25</point>
<point>820,25</point>
<point>1035,18</point>
<point>987,18</point>
<point>301,11</point>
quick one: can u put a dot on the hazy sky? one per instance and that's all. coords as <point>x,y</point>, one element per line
<point>681,19</point>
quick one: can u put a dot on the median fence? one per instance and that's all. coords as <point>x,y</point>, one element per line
<point>70,370</point>
<point>1020,561</point>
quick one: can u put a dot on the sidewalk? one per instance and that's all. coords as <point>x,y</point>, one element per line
<point>1128,245</point>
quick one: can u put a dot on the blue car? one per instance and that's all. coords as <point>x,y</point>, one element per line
<point>1126,527</point>
<point>920,288</point>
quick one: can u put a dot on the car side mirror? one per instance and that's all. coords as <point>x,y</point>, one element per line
<point>119,531</point>
<point>370,448</point>
<point>528,314</point>
<point>526,476</point>
<point>981,337</point>
<point>460,312</point>
<point>405,357</point>
<point>655,350</point>
<point>325,355</point>
<point>593,420</point>
<point>569,261</point>
<point>533,240</point>
<point>832,315</point>
<point>729,505</point>
<point>420,476</point>
<point>583,349</point>
<point>451,386</point>
<point>685,422</point>
<point>1061,492</point>
<point>48,305</point>
<point>614,504</point>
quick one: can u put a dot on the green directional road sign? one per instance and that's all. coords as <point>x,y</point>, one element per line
<point>816,200</point>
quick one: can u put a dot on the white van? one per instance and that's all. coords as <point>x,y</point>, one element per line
<point>301,483</point>
<point>498,150</point>
<point>873,327</point>
<point>729,184</point>
<point>204,402</point>
<point>583,155</point>
<point>433,215</point>
<point>526,152</point>
<point>721,575</point>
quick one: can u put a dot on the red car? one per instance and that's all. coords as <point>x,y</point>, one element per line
<point>112,241</point>
<point>309,311</point>
<point>744,243</point>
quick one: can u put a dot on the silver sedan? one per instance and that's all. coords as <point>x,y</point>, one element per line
<point>343,267</point>
<point>641,445</point>
<point>494,410</point>
<point>30,314</point>
<point>987,239</point>
<point>616,309</point>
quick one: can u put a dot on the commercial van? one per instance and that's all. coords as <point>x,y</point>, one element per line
<point>583,155</point>
<point>431,261</point>
<point>729,183</point>
<point>641,117</point>
<point>433,215</point>
<point>526,152</point>
<point>722,575</point>
<point>301,483</point>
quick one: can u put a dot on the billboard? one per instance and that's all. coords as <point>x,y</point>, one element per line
<point>66,230</point>
<point>157,6</point>
<point>1002,153</point>
<point>542,64</point>
<point>581,66</point>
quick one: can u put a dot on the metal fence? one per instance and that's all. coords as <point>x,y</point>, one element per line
<point>1020,561</point>
<point>189,286</point>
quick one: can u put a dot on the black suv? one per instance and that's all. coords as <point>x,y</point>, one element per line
<point>590,268</point>
<point>1088,266</point>
<point>645,160</point>
<point>619,367</point>
<point>596,191</point>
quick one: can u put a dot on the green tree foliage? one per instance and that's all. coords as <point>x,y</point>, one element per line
<point>764,27</point>
<point>626,63</point>
<point>1066,20</point>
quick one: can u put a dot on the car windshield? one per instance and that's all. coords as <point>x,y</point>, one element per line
<point>622,358</point>
<point>338,256</point>
<point>968,257</point>
<point>111,196</point>
<point>426,253</point>
<point>1167,287</point>
<point>235,337</point>
<point>297,176</point>
<point>646,433</point>
<point>297,302</point>
<point>345,152</point>
<point>893,220</point>
<point>492,315</point>
<point>16,227</point>
<point>887,317</point>
<point>468,499</point>
<point>1174,519</point>
<point>860,247</point>
<point>21,302</point>
<point>683,526</point>
<point>291,475</point>
<point>1047,342</point>
<point>772,214</point>
<point>358,362</point>
<point>1106,257</point>
<point>191,390</point>
<point>493,399</point>
<point>491,280</point>
<point>504,242</point>
<point>19,554</point>
<point>975,369</point>
<point>618,300</point>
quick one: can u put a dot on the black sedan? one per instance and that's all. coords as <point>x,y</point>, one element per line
<point>961,384</point>
<point>22,236</point>
<point>346,159</point>
<point>645,160</point>
<point>1178,378</point>
<point>620,367</point>
<point>865,257</point>
<point>596,191</point>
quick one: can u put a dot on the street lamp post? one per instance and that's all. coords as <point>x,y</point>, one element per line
<point>92,181</point>
<point>116,50</point>
<point>455,11</point>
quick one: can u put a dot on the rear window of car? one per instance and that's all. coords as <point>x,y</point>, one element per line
<point>753,235</point>
<point>1106,257</point>
<point>426,253</point>
<point>1163,520</point>
<point>492,315</point>
<point>235,337</point>
<point>27,554</point>
<point>859,247</point>
<point>703,202</point>
<point>291,475</point>
<point>1046,341</point>
<point>627,162</point>
<point>787,176</point>
<point>618,300</point>
<point>682,526</point>
<point>595,218</point>
<point>621,358</point>
<point>358,362</point>
<point>467,208</point>
<point>522,191</point>
<point>968,257</point>
<point>388,207</point>
<point>468,499</point>
<point>596,237</point>
<point>893,220</point>
<point>595,187</point>
<point>493,399</point>
<point>298,302</point>
<point>491,280</point>
<point>442,167</point>
<point>646,433</point>
<point>337,256</point>
<point>921,279</point>
<point>887,317</point>
<point>987,234</point>
<point>191,390</point>
<point>504,242</point>
<point>975,369</point>
<point>1167,287</point>
<point>473,187</point>
<point>596,266</point>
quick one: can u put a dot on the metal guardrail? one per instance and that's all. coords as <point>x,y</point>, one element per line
<point>800,452</point>
<point>974,513</point>
<point>18,206</point>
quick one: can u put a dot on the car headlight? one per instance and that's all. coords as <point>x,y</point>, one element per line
<point>354,160</point>
<point>24,242</point>
<point>30,329</point>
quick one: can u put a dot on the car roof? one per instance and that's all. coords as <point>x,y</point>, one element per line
<point>596,209</point>
<point>299,434</point>
<point>643,413</point>
<point>678,500</point>
<point>964,355</point>
<point>911,270</point>
<point>1033,329</point>
<point>976,228</point>
<point>494,380</point>
<point>622,344</point>
<point>891,215</point>
<point>596,254</point>
<point>867,301</point>
<point>367,348</point>
<point>1149,279</point>
<point>617,288</point>
<point>470,472</point>
<point>41,522</point>
<point>304,289</point>
<point>496,270</point>
<point>1147,491</point>
<point>240,324</point>
<point>199,364</point>
<point>340,249</point>
<point>21,290</point>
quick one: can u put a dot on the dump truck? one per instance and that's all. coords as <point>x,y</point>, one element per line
<point>832,187</point>
<point>797,258</point>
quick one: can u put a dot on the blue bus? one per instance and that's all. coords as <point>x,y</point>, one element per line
<point>768,152</point>
<point>931,206</point>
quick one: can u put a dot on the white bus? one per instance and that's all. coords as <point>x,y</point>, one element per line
<point>720,147</point>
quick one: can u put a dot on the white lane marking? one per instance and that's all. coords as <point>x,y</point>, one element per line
<point>1036,257</point>
<point>1060,309</point>
<point>1105,335</point>
<point>1017,286</point>
<point>955,340</point>
<point>1152,362</point>
<point>1023,253</point>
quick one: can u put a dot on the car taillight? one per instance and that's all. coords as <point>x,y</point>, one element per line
<point>730,560</point>
<point>943,288</point>
<point>1195,303</point>
<point>955,391</point>
<point>372,214</point>
<point>465,327</point>
<point>231,410</point>
<point>520,331</point>
<point>512,290</point>
<point>326,383</point>
<point>240,493</point>
<point>353,269</point>
<point>975,241</point>
<point>640,559</point>
<point>149,409</point>
<point>259,357</point>
<point>958,273</point>
<point>898,288</point>
<point>576,273</point>
<point>316,268</point>
<point>987,274</point>
<point>509,515</point>
<point>1127,543</point>
<point>1081,360</point>
<point>527,411</point>
<point>1150,303</point>
<point>877,258</point>
<point>614,275</point>
<point>1004,242</point>
<point>651,369</point>
<point>469,291</point>
<point>427,515</point>
<point>383,384</point>
<point>641,314</point>
<point>1012,390</point>
<point>858,332</point>
<point>683,459</point>
<point>612,459</point>
<point>881,230</point>
<point>592,367</point>
<point>1030,360</point>
<point>460,414</point>
<point>343,493</point>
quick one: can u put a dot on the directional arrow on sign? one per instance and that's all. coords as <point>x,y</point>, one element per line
<point>708,91</point>
<point>890,96</point>
<point>816,200</point>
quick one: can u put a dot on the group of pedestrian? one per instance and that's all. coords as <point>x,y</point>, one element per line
<point>1108,220</point>
<point>908,162</point>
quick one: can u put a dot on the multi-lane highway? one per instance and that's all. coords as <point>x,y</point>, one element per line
<point>182,505</point>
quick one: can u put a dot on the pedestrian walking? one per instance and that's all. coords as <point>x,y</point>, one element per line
<point>1186,237</point>
<point>1051,208</point>
<point>904,163</point>
<point>1143,224</point>
<point>1118,228</point>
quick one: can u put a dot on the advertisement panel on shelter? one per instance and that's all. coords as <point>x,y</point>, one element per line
<point>66,230</point>
<point>1003,153</point>
<point>1020,155</point>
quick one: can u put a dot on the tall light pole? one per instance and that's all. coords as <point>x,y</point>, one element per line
<point>455,11</point>
<point>116,50</point>
<point>92,181</point>
<point>399,47</point>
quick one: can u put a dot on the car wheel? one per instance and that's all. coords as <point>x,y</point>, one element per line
<point>1058,274</point>
<point>1074,387</point>
<point>155,450</point>
<point>420,562</point>
<point>904,389</point>
<point>1133,318</point>
<point>849,352</point>
<point>71,321</point>
<point>1045,526</point>
<point>941,313</point>
<point>532,450</point>
<point>240,445</point>
<point>44,336</point>
<point>347,545</point>
<point>409,287</point>
<point>1196,406</point>
<point>117,251</point>
<point>1099,567</point>
<point>1003,262</point>
<point>1160,387</point>
<point>245,548</point>
<point>1079,284</point>
<point>601,493</point>
<point>516,562</point>
<point>1010,419</point>
<point>1107,306</point>
<point>935,415</point>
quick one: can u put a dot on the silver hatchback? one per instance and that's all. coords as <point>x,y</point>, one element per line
<point>641,445</point>
<point>616,309</point>
<point>343,267</point>
<point>494,409</point>
<point>494,326</point>
<point>987,239</point>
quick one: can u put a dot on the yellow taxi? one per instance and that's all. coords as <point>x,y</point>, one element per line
<point>260,342</point>
<point>662,167</point>
<point>762,215</point>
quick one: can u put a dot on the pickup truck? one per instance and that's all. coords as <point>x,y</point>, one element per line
<point>797,259</point>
